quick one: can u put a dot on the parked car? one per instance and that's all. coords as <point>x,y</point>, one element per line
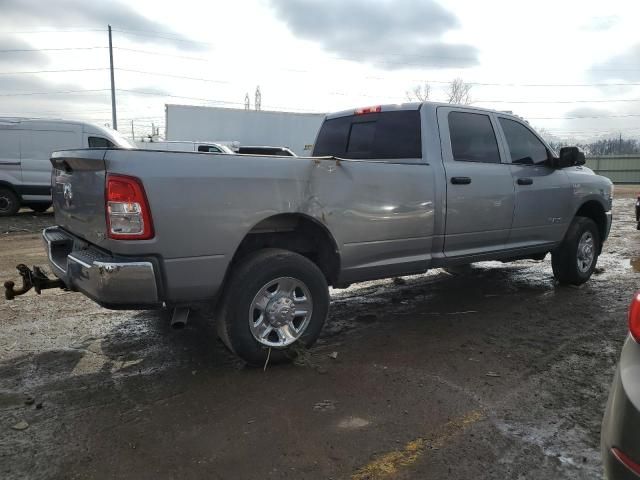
<point>394,190</point>
<point>25,149</point>
<point>185,146</point>
<point>621,425</point>
<point>281,151</point>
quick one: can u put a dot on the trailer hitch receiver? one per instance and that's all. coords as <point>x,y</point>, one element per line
<point>35,279</point>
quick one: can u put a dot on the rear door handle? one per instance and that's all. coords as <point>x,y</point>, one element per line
<point>525,181</point>
<point>460,180</point>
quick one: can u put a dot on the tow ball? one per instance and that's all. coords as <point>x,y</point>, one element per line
<point>35,279</point>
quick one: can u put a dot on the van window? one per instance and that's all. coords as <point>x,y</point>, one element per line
<point>473,138</point>
<point>384,135</point>
<point>524,146</point>
<point>99,142</point>
<point>209,148</point>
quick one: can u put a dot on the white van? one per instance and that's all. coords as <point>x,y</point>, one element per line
<point>25,148</point>
<point>185,146</point>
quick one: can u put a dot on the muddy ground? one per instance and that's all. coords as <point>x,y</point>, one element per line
<point>492,373</point>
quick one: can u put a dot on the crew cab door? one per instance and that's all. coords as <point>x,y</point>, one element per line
<point>479,185</point>
<point>543,206</point>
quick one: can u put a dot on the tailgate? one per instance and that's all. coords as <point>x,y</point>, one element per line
<point>77,188</point>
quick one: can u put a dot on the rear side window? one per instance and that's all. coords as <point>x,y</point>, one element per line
<point>473,138</point>
<point>524,146</point>
<point>99,142</point>
<point>384,135</point>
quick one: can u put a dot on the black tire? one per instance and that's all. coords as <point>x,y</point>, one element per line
<point>247,279</point>
<point>564,259</point>
<point>40,207</point>
<point>9,202</point>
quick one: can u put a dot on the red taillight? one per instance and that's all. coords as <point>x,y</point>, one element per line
<point>626,461</point>
<point>634,317</point>
<point>128,214</point>
<point>365,110</point>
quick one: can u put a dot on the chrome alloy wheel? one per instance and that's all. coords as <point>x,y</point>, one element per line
<point>586,252</point>
<point>280,312</point>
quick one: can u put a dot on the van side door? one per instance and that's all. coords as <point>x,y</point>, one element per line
<point>10,171</point>
<point>543,206</point>
<point>36,145</point>
<point>479,187</point>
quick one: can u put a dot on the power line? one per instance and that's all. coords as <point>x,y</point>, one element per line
<point>18,50</point>
<point>55,71</point>
<point>65,30</point>
<point>61,92</point>
<point>147,52</point>
<point>174,76</point>
<point>142,33</point>
<point>212,100</point>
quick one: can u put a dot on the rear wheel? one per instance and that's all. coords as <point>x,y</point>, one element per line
<point>275,302</point>
<point>9,202</point>
<point>575,259</point>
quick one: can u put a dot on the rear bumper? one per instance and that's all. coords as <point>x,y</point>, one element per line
<point>621,424</point>
<point>111,281</point>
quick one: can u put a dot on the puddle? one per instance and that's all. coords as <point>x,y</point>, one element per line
<point>352,423</point>
<point>634,263</point>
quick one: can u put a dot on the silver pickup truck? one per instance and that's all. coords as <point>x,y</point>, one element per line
<point>391,190</point>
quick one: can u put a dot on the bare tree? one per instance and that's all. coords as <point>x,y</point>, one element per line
<point>420,93</point>
<point>458,92</point>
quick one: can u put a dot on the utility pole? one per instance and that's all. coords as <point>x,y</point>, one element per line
<point>133,135</point>
<point>113,85</point>
<point>258,100</point>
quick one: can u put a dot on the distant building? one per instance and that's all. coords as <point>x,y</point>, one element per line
<point>296,131</point>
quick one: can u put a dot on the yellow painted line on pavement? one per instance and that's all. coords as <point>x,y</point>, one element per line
<point>389,463</point>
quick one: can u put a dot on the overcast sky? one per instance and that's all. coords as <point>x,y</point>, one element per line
<point>325,55</point>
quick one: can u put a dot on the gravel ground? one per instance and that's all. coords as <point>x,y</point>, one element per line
<point>492,373</point>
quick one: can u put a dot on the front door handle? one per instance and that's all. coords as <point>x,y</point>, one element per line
<point>460,180</point>
<point>525,181</point>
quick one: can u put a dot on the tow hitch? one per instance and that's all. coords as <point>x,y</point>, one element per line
<point>35,279</point>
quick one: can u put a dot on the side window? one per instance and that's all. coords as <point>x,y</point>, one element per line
<point>332,139</point>
<point>384,135</point>
<point>99,142</point>
<point>208,148</point>
<point>524,146</point>
<point>473,138</point>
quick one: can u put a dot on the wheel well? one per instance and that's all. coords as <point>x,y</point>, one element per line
<point>9,186</point>
<point>593,210</point>
<point>297,233</point>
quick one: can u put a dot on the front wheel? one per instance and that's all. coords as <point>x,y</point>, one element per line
<point>275,302</point>
<point>575,259</point>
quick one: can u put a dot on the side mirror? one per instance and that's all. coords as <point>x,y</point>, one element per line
<point>569,157</point>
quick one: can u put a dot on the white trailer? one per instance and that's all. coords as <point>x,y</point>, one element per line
<point>296,131</point>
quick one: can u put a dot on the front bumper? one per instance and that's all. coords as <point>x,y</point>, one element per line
<point>621,424</point>
<point>111,281</point>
